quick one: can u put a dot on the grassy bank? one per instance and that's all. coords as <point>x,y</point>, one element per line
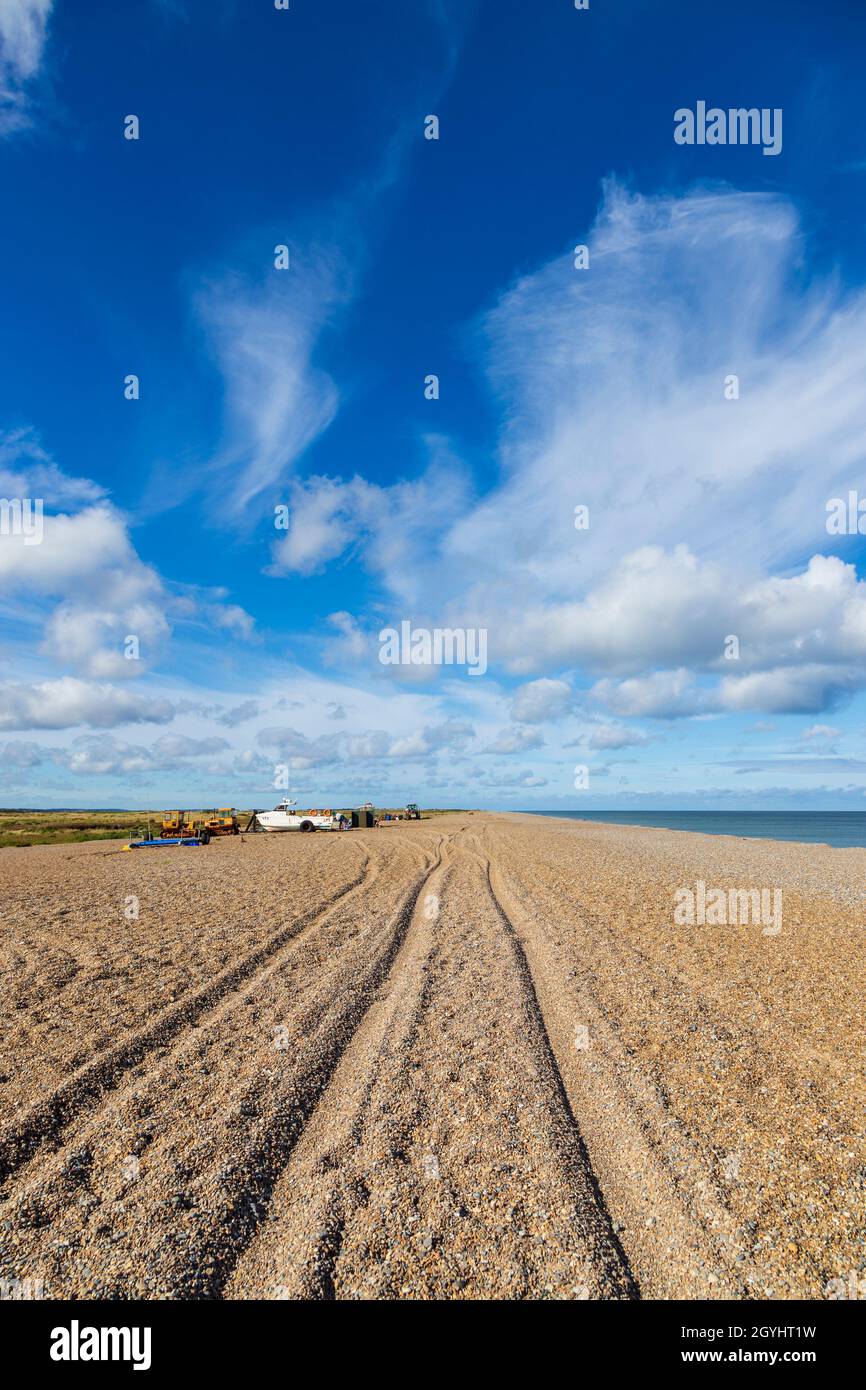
<point>66,827</point>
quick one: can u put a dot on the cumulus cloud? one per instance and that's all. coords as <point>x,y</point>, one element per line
<point>389,527</point>
<point>784,690</point>
<point>451,736</point>
<point>801,638</point>
<point>172,746</point>
<point>609,736</point>
<point>504,779</point>
<point>661,695</point>
<point>669,608</point>
<point>21,756</point>
<point>238,714</point>
<point>88,550</point>
<point>516,739</point>
<point>87,566</point>
<point>791,690</point>
<point>64,703</point>
<point>95,642</point>
<point>540,701</point>
<point>295,748</point>
<point>231,618</point>
<point>83,581</point>
<point>104,755</point>
<point>300,751</point>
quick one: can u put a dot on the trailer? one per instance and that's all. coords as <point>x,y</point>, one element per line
<point>193,841</point>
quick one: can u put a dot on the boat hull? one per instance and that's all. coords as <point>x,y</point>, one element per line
<point>280,821</point>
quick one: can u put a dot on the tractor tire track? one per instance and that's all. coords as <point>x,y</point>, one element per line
<point>366,1141</point>
<point>45,1121</point>
<point>326,1146</point>
<point>255,1126</point>
<point>654,1194</point>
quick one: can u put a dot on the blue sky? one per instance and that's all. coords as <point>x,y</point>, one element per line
<point>303,389</point>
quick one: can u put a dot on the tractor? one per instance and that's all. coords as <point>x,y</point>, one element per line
<point>175,826</point>
<point>412,812</point>
<point>222,821</point>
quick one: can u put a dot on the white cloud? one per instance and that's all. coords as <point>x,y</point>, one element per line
<point>276,400</point>
<point>238,714</point>
<point>291,746</point>
<point>231,618</point>
<point>790,690</point>
<point>516,739</point>
<point>86,564</point>
<point>103,755</point>
<point>540,701</point>
<point>64,703</point>
<point>87,550</point>
<point>389,527</point>
<point>94,642</point>
<point>613,736</point>
<point>504,779</point>
<point>23,30</point>
<point>172,746</point>
<point>613,389</point>
<point>21,755</point>
<point>676,694</point>
<point>374,744</point>
<point>26,470</point>
<point>301,751</point>
<point>661,695</point>
<point>450,736</point>
<point>667,609</point>
<point>351,645</point>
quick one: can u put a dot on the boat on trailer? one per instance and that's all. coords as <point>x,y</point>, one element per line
<point>286,816</point>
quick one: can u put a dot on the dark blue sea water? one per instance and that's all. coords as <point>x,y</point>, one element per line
<point>839,828</point>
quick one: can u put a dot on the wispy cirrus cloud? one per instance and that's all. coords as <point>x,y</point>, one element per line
<point>707,513</point>
<point>263,335</point>
<point>23,34</point>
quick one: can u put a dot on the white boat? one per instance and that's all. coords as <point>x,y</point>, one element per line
<point>285,816</point>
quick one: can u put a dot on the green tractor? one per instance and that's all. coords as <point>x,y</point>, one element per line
<point>412,812</point>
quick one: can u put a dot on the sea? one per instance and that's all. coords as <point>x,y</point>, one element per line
<point>842,829</point>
